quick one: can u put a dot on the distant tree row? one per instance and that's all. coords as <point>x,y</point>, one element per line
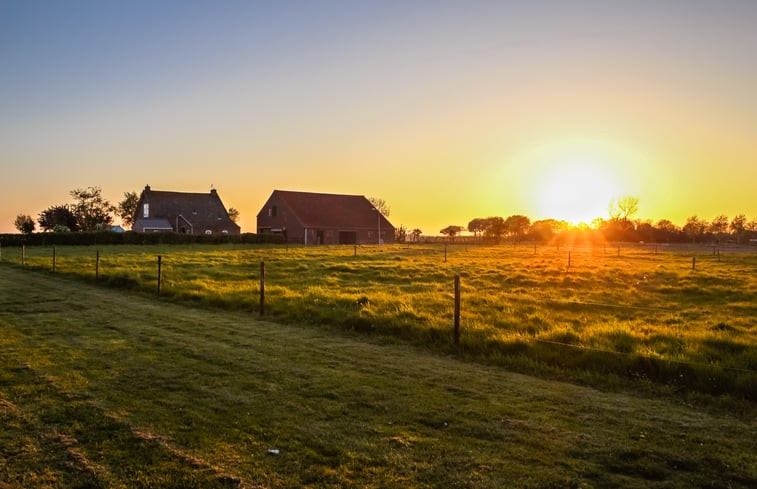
<point>617,228</point>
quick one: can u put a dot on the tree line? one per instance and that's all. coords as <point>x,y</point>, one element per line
<point>619,226</point>
<point>696,230</point>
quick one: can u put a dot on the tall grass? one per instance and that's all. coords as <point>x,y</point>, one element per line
<point>641,314</point>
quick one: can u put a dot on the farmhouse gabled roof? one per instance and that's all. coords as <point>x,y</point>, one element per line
<point>196,210</point>
<point>316,210</point>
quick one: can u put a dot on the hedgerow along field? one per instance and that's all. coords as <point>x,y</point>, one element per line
<point>680,319</point>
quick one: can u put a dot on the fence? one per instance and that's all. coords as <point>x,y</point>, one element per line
<point>456,287</point>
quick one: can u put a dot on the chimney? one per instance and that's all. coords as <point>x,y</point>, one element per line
<point>213,191</point>
<point>147,188</point>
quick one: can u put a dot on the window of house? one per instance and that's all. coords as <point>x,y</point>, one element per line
<point>146,210</point>
<point>272,211</point>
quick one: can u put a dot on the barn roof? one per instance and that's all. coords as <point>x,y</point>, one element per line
<point>316,210</point>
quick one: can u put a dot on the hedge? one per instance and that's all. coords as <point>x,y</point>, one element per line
<point>131,238</point>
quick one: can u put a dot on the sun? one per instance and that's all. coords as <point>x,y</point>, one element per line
<point>575,191</point>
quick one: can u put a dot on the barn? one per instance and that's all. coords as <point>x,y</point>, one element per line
<point>182,212</point>
<point>315,218</point>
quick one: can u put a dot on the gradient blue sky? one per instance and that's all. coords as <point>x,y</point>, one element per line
<point>447,110</point>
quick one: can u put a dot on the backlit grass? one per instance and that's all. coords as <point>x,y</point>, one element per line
<point>112,388</point>
<point>641,313</point>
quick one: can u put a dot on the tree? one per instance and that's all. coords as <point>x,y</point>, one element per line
<point>451,231</point>
<point>517,225</point>
<point>495,228</point>
<point>233,214</point>
<point>738,224</point>
<point>127,208</point>
<point>545,229</point>
<point>24,223</point>
<point>719,226</point>
<point>380,205</point>
<point>416,234</point>
<point>400,234</point>
<point>478,226</point>
<point>695,227</point>
<point>666,231</point>
<point>58,215</point>
<point>645,231</point>
<point>623,208</point>
<point>667,226</point>
<point>91,208</point>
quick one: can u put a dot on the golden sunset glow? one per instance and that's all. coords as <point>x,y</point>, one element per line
<point>449,113</point>
<point>574,179</point>
<point>576,192</point>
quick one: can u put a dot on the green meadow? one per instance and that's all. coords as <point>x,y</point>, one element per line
<point>114,388</point>
<point>680,319</point>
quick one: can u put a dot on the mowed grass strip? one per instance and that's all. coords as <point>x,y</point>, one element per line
<point>641,314</point>
<point>106,388</point>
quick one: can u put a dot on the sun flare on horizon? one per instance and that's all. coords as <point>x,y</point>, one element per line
<point>575,191</point>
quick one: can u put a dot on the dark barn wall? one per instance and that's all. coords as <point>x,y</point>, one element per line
<point>282,218</point>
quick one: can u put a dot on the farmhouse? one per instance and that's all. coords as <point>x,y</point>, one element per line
<point>313,218</point>
<point>182,212</point>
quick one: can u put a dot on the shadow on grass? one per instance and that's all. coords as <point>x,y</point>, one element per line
<point>54,439</point>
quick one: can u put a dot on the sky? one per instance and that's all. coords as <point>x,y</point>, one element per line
<point>448,110</point>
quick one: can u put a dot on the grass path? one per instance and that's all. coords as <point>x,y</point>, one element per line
<point>102,388</point>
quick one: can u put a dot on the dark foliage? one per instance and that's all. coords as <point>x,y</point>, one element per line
<point>61,216</point>
<point>131,238</point>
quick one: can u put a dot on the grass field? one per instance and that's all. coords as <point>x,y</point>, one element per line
<point>632,312</point>
<point>112,388</point>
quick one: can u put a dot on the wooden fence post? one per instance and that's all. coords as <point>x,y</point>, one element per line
<point>569,259</point>
<point>693,262</point>
<point>445,252</point>
<point>262,288</point>
<point>355,251</point>
<point>618,250</point>
<point>23,254</point>
<point>160,260</point>
<point>53,258</point>
<point>457,309</point>
<point>97,265</point>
